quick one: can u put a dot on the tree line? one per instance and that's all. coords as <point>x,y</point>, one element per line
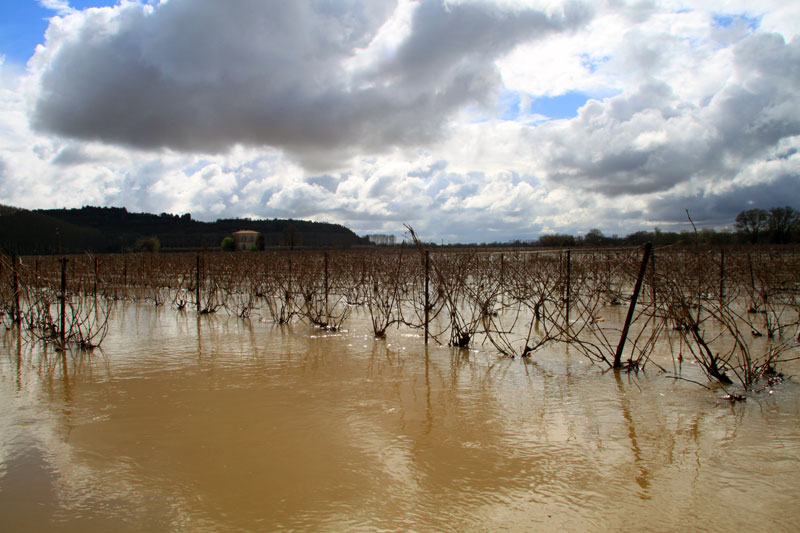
<point>114,229</point>
<point>777,225</point>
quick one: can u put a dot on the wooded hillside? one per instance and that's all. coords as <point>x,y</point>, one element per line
<point>114,229</point>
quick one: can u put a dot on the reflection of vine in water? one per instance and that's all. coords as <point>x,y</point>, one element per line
<point>383,357</point>
<point>70,367</point>
<point>644,475</point>
<point>213,336</point>
<point>57,379</point>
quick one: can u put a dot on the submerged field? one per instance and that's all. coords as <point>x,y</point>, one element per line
<point>296,391</point>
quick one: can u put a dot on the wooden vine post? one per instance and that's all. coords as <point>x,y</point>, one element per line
<point>502,279</point>
<point>621,346</point>
<point>63,297</point>
<point>326,284</point>
<point>17,318</point>
<point>653,276</point>
<point>289,281</point>
<point>197,283</point>
<point>427,298</point>
<point>567,294</point>
<point>94,287</point>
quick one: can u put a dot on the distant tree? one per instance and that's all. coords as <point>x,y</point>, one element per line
<point>709,236</point>
<point>594,237</point>
<point>8,209</point>
<point>557,240</point>
<point>638,238</point>
<point>228,244</point>
<point>260,243</point>
<point>290,237</point>
<point>781,222</point>
<point>147,244</point>
<point>751,223</point>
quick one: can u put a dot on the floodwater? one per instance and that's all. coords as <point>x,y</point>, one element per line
<point>213,423</point>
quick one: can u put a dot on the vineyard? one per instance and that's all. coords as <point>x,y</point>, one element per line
<point>735,313</point>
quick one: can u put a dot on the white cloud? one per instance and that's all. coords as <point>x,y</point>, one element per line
<point>272,75</point>
<point>61,7</point>
<point>376,114</point>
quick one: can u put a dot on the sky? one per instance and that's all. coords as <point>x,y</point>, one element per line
<point>470,120</point>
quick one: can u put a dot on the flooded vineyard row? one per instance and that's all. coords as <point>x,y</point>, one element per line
<point>711,306</point>
<point>400,390</point>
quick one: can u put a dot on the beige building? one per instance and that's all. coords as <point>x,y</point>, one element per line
<point>245,239</point>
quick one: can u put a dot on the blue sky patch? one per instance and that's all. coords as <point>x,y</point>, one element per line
<point>194,167</point>
<point>725,20</point>
<point>592,63</point>
<point>24,22</point>
<point>509,105</point>
<point>80,5</point>
<point>21,29</point>
<point>562,106</point>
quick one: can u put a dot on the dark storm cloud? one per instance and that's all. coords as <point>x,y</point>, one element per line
<point>206,75</point>
<point>720,209</point>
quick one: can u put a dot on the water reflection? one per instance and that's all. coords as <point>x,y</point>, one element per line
<point>643,476</point>
<point>206,423</point>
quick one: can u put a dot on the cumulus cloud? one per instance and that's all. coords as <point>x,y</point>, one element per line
<point>650,140</point>
<point>206,75</point>
<point>374,114</point>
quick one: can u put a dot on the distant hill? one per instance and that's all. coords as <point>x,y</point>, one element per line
<point>114,229</point>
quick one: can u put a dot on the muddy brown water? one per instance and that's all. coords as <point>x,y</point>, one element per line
<point>215,423</point>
